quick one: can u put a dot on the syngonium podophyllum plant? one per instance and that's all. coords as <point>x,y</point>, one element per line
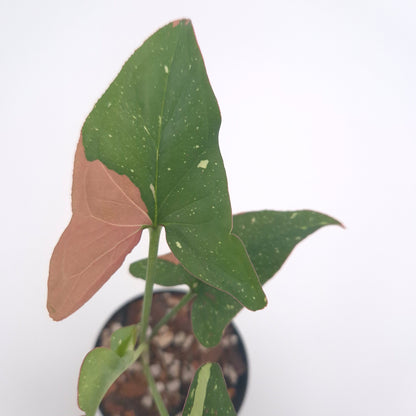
<point>148,158</point>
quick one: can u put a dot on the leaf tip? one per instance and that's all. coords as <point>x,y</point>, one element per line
<point>341,225</point>
<point>334,221</point>
<point>53,312</point>
<point>183,21</point>
<point>260,302</point>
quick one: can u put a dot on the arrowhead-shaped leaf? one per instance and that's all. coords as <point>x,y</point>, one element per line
<point>107,220</point>
<point>269,237</point>
<point>208,394</point>
<point>102,366</point>
<point>158,124</point>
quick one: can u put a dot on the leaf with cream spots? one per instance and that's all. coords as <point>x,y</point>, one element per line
<point>171,154</point>
<point>208,393</point>
<point>269,237</point>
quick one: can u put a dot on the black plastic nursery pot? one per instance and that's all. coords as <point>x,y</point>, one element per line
<point>175,355</point>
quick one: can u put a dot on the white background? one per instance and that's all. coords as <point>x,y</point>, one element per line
<point>318,107</point>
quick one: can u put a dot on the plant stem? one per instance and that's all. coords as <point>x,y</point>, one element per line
<point>140,350</point>
<point>154,234</point>
<point>152,387</point>
<point>190,295</point>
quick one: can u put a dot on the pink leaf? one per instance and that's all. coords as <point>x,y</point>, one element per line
<point>107,218</point>
<point>170,257</point>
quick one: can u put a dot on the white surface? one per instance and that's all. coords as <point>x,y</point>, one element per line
<point>318,106</point>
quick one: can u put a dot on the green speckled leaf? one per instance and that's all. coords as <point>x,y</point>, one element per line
<point>158,124</point>
<point>269,237</point>
<point>208,394</point>
<point>102,366</point>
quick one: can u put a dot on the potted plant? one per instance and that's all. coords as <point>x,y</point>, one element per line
<point>148,158</point>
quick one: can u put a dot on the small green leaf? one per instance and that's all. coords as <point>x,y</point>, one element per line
<point>158,124</point>
<point>167,273</point>
<point>99,370</point>
<point>208,394</point>
<point>102,366</point>
<point>124,339</point>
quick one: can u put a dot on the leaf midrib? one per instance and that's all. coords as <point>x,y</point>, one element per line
<point>159,134</point>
